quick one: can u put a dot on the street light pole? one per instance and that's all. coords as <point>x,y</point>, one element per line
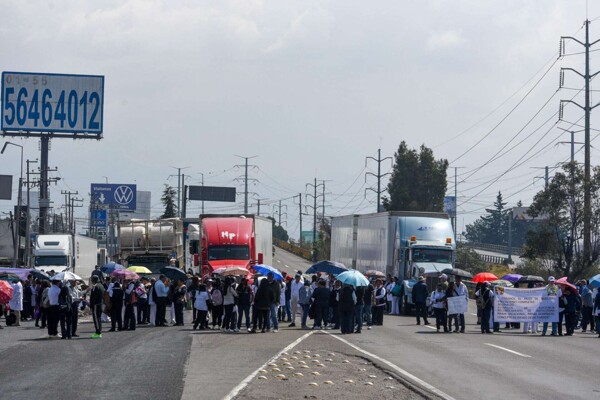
<point>17,243</point>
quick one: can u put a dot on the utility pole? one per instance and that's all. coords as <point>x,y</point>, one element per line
<point>44,200</point>
<point>68,205</point>
<point>315,186</point>
<point>28,226</point>
<point>379,175</point>
<point>179,187</point>
<point>246,165</point>
<point>455,219</point>
<point>300,214</point>
<point>17,242</point>
<point>587,200</point>
<point>279,212</point>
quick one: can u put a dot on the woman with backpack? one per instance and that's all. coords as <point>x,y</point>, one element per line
<point>217,304</point>
<point>201,302</point>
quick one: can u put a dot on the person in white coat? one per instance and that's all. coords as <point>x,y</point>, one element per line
<point>16,302</point>
<point>152,302</point>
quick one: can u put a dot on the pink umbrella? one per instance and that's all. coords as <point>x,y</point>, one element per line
<point>125,274</point>
<point>6,292</point>
<point>562,282</point>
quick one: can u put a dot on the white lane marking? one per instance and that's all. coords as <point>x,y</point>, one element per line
<point>287,266</point>
<point>279,261</point>
<point>236,390</point>
<point>431,327</point>
<point>396,368</point>
<point>509,350</point>
<point>475,314</point>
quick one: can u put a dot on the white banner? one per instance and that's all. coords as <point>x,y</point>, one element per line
<point>457,305</point>
<point>525,305</point>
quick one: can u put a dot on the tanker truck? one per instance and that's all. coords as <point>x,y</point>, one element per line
<point>151,243</point>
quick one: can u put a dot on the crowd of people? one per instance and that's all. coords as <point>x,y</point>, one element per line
<point>231,304</point>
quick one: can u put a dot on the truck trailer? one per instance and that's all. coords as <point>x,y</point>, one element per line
<point>64,252</point>
<point>406,244</point>
<point>235,240</point>
<point>151,243</point>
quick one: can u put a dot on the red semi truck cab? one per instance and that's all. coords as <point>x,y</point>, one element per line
<point>234,240</point>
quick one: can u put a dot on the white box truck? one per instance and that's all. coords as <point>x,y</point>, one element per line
<point>64,252</point>
<point>406,244</point>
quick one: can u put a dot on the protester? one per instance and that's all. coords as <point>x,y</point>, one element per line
<point>346,302</point>
<point>263,301</point>
<point>358,308</point>
<point>16,302</point>
<point>596,311</point>
<point>276,288</point>
<point>201,305</point>
<point>461,291</point>
<point>217,304</point>
<point>142,307</point>
<point>486,310</point>
<point>295,286</point>
<point>552,290</point>
<point>152,302</point>
<point>396,292</point>
<point>130,302</point>
<point>76,295</point>
<point>334,311</point>
<point>287,310</point>
<point>438,298</point>
<point>245,298</point>
<point>451,318</point>
<point>161,289</point>
<point>369,300</point>
<point>53,309</point>
<point>304,298</point>
<point>320,298</point>
<point>65,303</point>
<point>96,298</point>
<point>380,301</point>
<point>587,305</point>
<point>230,296</point>
<point>570,299</point>
<point>116,310</point>
<point>44,303</point>
<point>389,285</point>
<point>419,299</point>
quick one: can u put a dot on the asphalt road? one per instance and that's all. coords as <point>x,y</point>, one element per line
<point>288,262</point>
<point>177,362</point>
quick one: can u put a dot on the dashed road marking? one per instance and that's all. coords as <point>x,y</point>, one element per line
<point>287,266</point>
<point>431,327</point>
<point>236,390</point>
<point>279,261</point>
<point>475,314</point>
<point>396,368</point>
<point>508,350</point>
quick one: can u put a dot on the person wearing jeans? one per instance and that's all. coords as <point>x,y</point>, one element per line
<point>553,291</point>
<point>304,295</point>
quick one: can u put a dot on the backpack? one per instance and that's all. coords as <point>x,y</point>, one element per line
<point>396,290</point>
<point>131,298</point>
<point>217,297</point>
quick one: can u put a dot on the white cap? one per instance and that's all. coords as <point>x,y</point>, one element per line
<point>551,279</point>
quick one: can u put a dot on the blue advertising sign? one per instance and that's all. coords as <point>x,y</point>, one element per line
<point>36,102</point>
<point>98,218</point>
<point>115,195</point>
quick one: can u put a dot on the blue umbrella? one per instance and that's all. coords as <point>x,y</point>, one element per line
<point>595,281</point>
<point>264,269</point>
<point>353,277</point>
<point>328,267</point>
<point>110,267</point>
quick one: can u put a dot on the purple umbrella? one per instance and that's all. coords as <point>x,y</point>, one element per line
<point>125,274</point>
<point>514,278</point>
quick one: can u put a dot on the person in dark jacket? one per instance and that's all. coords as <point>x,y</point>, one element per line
<point>321,300</point>
<point>263,300</point>
<point>346,302</point>
<point>358,308</point>
<point>419,299</point>
<point>179,301</point>
<point>570,299</point>
<point>116,301</point>
<point>96,298</point>
<point>333,304</point>
<point>244,301</point>
<point>65,316</point>
<point>596,312</point>
<point>368,307</point>
<point>276,288</point>
<point>486,311</point>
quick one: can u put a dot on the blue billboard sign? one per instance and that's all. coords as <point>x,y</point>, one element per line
<point>36,102</point>
<point>98,218</point>
<point>114,195</point>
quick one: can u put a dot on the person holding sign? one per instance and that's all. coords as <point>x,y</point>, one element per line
<point>486,310</point>
<point>451,292</point>
<point>461,291</point>
<point>553,291</point>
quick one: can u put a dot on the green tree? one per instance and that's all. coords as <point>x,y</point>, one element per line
<point>469,260</point>
<point>323,245</point>
<point>560,240</point>
<point>278,232</point>
<point>168,200</point>
<point>418,181</point>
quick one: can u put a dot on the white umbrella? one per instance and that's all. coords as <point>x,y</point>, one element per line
<point>66,276</point>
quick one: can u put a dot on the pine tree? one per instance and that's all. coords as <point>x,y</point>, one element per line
<point>168,200</point>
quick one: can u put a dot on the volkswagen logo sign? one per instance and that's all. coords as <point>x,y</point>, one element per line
<point>123,195</point>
